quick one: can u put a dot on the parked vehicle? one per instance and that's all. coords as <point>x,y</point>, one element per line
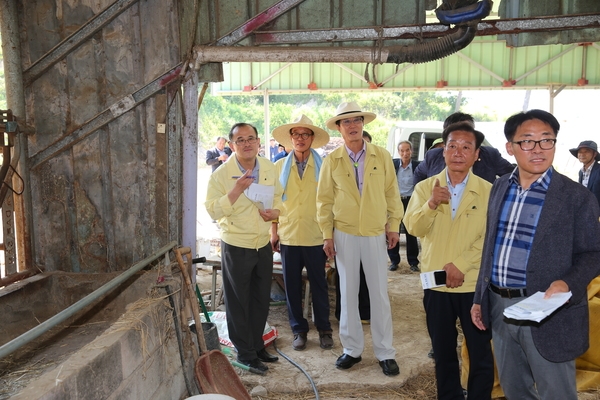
<point>420,134</point>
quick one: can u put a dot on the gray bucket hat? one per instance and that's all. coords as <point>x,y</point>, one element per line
<point>590,144</point>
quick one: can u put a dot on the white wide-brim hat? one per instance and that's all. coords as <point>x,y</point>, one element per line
<point>282,133</point>
<point>349,110</point>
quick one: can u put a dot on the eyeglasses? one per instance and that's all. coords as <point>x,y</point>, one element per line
<point>354,121</point>
<point>528,145</point>
<point>301,135</point>
<point>241,142</point>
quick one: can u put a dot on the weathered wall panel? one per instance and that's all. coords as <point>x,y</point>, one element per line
<point>95,203</point>
<point>88,198</point>
<point>52,191</point>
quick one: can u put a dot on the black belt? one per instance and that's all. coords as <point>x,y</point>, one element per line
<point>510,293</point>
<point>404,197</point>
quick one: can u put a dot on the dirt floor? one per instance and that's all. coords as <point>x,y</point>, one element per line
<point>285,381</point>
<point>364,380</point>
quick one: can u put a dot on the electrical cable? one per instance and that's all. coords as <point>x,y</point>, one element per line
<point>312,383</point>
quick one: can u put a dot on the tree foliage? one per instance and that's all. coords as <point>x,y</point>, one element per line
<point>219,113</point>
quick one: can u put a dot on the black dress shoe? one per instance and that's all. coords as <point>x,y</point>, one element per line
<point>264,356</point>
<point>430,354</point>
<point>346,361</point>
<point>393,267</point>
<point>389,367</point>
<point>256,363</point>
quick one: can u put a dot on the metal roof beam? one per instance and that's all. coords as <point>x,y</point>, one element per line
<point>256,22</point>
<point>484,28</point>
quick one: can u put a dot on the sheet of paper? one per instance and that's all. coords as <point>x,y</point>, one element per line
<point>261,195</point>
<point>535,307</point>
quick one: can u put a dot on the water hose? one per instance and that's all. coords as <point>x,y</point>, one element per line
<point>312,383</point>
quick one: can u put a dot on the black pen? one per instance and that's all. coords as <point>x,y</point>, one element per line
<point>238,177</point>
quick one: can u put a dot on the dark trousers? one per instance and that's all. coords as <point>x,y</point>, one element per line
<point>364,303</point>
<point>247,277</point>
<point>412,246</point>
<point>441,311</point>
<point>293,260</point>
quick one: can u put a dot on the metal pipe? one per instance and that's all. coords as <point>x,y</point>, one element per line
<point>189,148</point>
<point>206,54</point>
<point>68,312</point>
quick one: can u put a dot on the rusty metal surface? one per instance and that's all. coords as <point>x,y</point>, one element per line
<point>9,246</point>
<point>484,28</point>
<point>257,21</point>
<point>93,172</point>
<point>66,46</point>
<point>102,119</point>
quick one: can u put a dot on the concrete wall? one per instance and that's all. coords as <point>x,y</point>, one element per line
<point>136,358</point>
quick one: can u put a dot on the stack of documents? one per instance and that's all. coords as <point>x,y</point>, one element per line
<point>535,307</point>
<point>261,195</point>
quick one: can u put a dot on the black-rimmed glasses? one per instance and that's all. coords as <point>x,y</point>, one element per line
<point>241,142</point>
<point>528,145</point>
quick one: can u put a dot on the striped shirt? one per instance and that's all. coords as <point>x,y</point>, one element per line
<point>516,229</point>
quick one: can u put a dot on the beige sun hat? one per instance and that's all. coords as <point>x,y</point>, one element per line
<point>348,110</point>
<point>282,133</point>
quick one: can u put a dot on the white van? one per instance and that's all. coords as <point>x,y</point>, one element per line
<point>420,134</point>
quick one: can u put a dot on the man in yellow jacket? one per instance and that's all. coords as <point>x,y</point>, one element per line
<point>296,234</point>
<point>246,253</point>
<point>359,208</point>
<point>448,212</point>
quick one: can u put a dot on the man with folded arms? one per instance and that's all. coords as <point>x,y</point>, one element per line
<point>447,211</point>
<point>359,208</point>
<point>246,252</point>
<point>543,234</point>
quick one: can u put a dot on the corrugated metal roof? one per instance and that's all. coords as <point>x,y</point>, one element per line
<point>484,63</point>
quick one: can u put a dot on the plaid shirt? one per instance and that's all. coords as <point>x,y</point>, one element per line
<point>516,230</point>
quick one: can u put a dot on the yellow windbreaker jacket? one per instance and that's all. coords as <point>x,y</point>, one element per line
<point>241,224</point>
<point>445,240</point>
<point>298,225</point>
<point>340,204</point>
